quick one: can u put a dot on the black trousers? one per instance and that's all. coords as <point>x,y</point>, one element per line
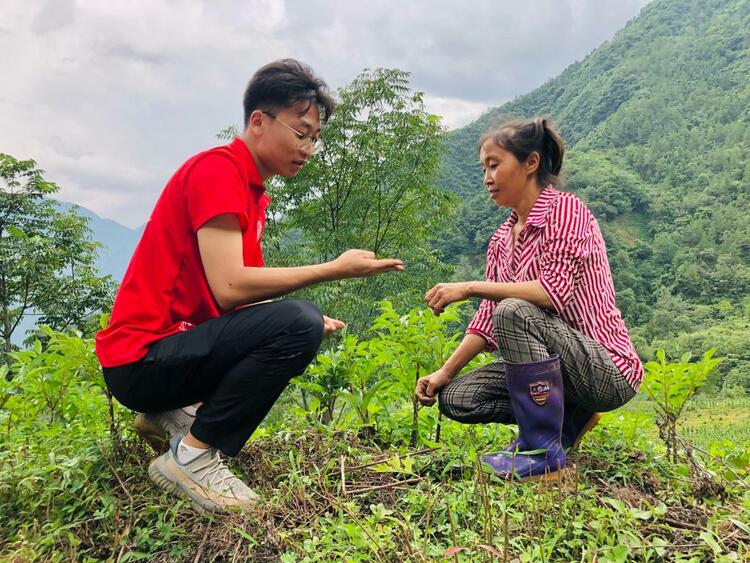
<point>237,365</point>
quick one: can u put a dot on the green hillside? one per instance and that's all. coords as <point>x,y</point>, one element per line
<point>657,125</point>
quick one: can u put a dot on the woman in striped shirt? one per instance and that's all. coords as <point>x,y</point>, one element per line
<point>548,308</point>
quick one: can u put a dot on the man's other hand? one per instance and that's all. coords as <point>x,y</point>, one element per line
<point>331,325</point>
<point>357,263</point>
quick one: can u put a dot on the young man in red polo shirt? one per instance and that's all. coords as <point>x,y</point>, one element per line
<point>193,324</point>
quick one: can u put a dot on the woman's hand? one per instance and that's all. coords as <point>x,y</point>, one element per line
<point>331,325</point>
<point>443,294</point>
<point>430,385</point>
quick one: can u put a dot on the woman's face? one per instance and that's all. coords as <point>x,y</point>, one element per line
<point>506,178</point>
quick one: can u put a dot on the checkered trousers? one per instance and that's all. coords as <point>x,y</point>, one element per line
<point>527,333</point>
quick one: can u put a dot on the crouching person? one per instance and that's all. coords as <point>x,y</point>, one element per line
<point>548,308</point>
<point>194,343</point>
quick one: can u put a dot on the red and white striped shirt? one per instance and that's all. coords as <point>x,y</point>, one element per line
<point>562,247</point>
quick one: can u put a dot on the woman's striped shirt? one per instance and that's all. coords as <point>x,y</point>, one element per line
<point>561,246</point>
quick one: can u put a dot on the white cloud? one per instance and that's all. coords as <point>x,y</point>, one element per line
<point>454,111</point>
<point>110,97</point>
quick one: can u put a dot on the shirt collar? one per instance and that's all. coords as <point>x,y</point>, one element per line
<point>541,208</point>
<point>239,148</point>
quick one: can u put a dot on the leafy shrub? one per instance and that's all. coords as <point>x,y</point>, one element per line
<point>671,385</point>
<point>374,380</point>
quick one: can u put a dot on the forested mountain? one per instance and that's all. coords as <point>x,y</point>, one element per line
<point>657,125</point>
<point>118,241</point>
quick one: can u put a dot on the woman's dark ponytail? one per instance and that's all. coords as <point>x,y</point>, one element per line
<point>554,148</point>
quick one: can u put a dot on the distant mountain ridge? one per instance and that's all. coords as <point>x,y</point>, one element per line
<point>698,45</point>
<point>657,126</point>
<point>119,241</point>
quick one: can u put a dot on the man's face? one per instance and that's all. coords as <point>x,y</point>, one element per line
<point>288,138</point>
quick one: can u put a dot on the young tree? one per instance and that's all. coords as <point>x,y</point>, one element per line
<point>373,187</point>
<point>46,256</point>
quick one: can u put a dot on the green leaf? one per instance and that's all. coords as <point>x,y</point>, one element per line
<point>246,535</point>
<point>708,537</point>
<point>617,504</point>
<point>741,525</point>
<point>16,232</point>
<point>641,514</point>
<point>620,553</point>
<point>660,545</point>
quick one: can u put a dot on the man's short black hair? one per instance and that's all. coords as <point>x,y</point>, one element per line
<point>284,83</point>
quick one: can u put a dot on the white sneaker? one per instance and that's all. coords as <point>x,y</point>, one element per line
<point>157,428</point>
<point>206,481</point>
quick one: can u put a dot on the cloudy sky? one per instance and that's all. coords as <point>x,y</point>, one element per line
<point>109,97</point>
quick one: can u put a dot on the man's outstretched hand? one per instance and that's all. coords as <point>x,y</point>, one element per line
<point>357,263</point>
<point>331,325</point>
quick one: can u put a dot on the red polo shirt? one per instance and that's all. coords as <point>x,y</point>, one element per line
<point>165,290</point>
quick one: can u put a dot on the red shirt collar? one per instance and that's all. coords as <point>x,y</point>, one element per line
<point>541,208</point>
<point>239,148</point>
<point>539,211</point>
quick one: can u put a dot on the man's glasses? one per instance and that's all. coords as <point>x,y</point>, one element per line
<point>305,141</point>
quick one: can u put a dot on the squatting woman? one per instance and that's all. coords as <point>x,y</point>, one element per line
<point>548,308</point>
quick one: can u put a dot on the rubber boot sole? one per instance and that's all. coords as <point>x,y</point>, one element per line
<point>548,476</point>
<point>593,421</point>
<point>151,434</point>
<point>544,477</point>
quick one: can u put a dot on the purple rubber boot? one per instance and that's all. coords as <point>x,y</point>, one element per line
<point>536,396</point>
<point>576,423</point>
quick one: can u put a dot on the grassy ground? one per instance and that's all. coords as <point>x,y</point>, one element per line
<point>705,420</point>
<point>334,495</point>
<point>708,420</point>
